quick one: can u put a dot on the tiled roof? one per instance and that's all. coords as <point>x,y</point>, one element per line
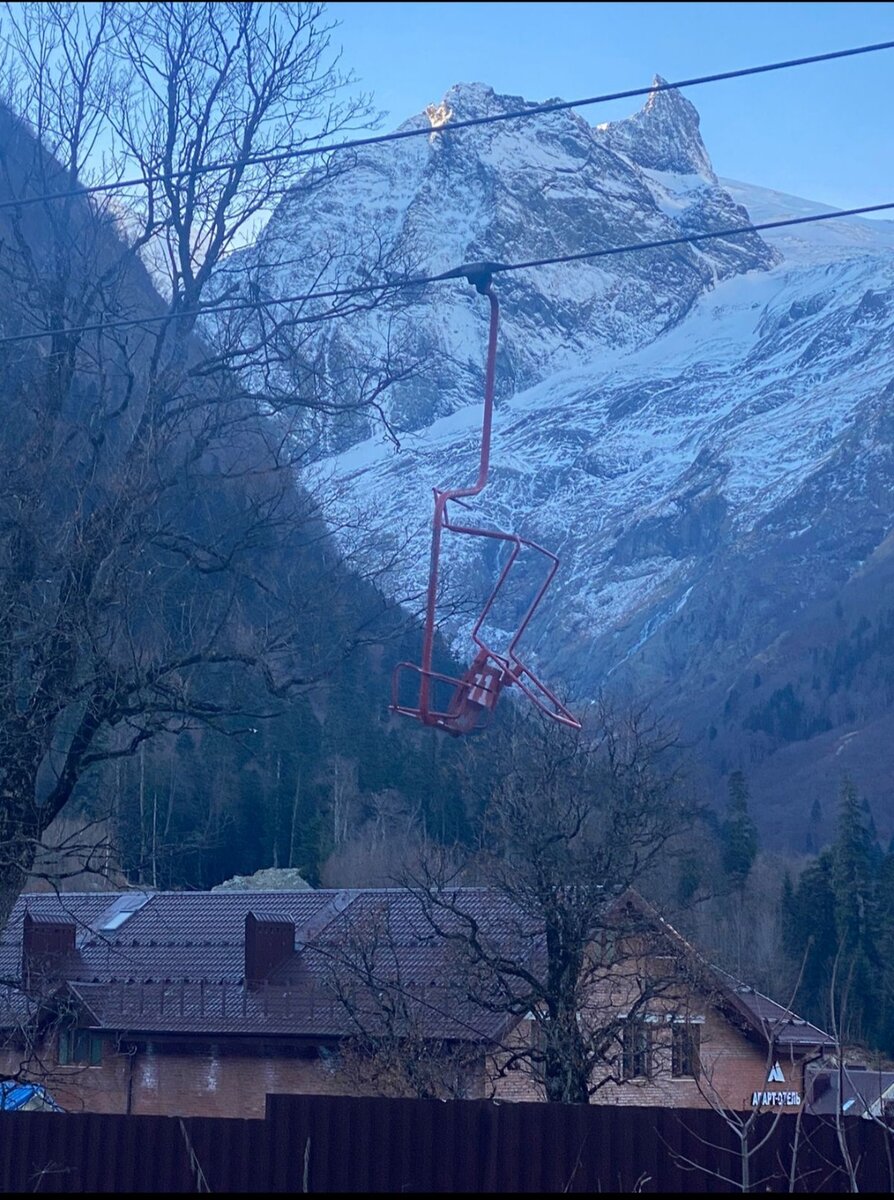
<point>785,1027</point>
<point>862,1089</point>
<point>763,1016</point>
<point>176,963</point>
<point>80,907</point>
<point>46,918</point>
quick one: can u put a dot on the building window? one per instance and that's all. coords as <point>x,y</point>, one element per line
<point>79,1046</point>
<point>685,1046</point>
<point>636,1050</point>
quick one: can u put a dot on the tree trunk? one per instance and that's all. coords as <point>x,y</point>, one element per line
<point>565,1081</point>
<point>141,875</point>
<point>18,849</point>
<point>295,799</point>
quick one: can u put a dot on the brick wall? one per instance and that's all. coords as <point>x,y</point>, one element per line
<point>222,1079</point>
<point>226,1078</point>
<point>733,1067</point>
<point>165,1079</point>
<point>219,1081</point>
<point>101,1089</point>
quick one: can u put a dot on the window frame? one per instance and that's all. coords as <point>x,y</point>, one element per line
<point>79,1047</point>
<point>686,1049</point>
<point>636,1055</point>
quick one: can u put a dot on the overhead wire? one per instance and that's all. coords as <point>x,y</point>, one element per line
<point>533,110</point>
<point>396,285</point>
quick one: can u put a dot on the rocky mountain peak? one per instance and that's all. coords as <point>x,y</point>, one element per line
<point>663,136</point>
<point>693,428</point>
<point>551,186</point>
<point>466,101</point>
<point>469,100</point>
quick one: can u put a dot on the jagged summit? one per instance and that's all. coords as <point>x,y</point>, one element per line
<point>663,136</point>
<point>469,100</point>
<point>550,186</point>
<point>463,102</point>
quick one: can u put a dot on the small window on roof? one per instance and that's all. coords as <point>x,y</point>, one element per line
<point>120,910</point>
<point>114,921</point>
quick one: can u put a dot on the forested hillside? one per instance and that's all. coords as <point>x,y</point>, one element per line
<point>184,650</point>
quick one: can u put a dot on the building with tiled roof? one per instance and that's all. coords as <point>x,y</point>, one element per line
<point>851,1089</point>
<point>203,1003</point>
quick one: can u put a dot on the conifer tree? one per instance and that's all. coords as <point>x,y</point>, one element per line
<point>852,871</point>
<point>813,839</point>
<point>739,832</point>
<point>809,933</point>
<point>886,951</point>
<point>791,933</point>
<point>838,929</point>
<point>854,883</point>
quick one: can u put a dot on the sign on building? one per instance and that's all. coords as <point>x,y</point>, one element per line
<point>775,1099</point>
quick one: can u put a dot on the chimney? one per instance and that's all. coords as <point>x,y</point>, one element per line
<point>45,943</point>
<point>268,942</point>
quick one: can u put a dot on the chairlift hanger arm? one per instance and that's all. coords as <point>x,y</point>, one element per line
<point>475,695</point>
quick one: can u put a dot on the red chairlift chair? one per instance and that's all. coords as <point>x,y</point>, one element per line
<point>475,695</point>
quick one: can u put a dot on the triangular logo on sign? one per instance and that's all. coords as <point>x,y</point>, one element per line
<point>776,1075</point>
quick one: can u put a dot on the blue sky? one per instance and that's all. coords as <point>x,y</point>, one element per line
<point>824,132</point>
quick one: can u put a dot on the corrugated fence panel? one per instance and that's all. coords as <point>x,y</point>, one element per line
<point>479,1146</point>
<point>354,1144</point>
<point>233,1155</point>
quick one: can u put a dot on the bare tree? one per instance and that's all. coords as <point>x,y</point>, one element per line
<point>855,1088</point>
<point>154,546</point>
<point>553,956</point>
<point>404,1040</point>
<point>753,1133</point>
<point>749,1135</point>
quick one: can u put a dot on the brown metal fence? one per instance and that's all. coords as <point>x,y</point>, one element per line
<point>354,1144</point>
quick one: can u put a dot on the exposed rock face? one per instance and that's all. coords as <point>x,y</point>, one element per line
<point>664,136</point>
<point>508,192</point>
<point>268,879</point>
<point>704,433</point>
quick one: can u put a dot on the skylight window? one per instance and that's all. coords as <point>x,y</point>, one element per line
<point>119,911</point>
<point>114,922</point>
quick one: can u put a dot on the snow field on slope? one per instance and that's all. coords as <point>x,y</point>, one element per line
<point>707,400</point>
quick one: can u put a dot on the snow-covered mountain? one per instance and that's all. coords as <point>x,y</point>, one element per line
<point>518,190</point>
<point>704,434</point>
